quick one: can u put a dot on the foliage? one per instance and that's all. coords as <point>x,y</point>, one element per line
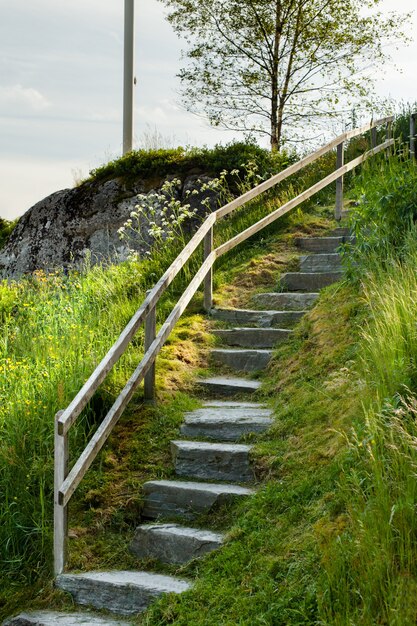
<point>6,229</point>
<point>402,122</point>
<point>144,164</point>
<point>274,68</point>
<point>371,567</point>
<point>385,211</point>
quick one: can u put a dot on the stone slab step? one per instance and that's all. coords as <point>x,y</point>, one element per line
<point>54,618</point>
<point>187,499</point>
<point>309,281</point>
<point>233,404</point>
<point>329,262</point>
<point>242,360</point>
<point>229,424</point>
<point>297,302</point>
<point>172,543</point>
<point>228,385</point>
<point>262,319</point>
<point>125,593</point>
<point>341,231</point>
<point>320,244</point>
<point>212,461</point>
<point>253,337</point>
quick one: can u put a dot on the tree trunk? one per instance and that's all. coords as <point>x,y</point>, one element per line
<point>275,135</point>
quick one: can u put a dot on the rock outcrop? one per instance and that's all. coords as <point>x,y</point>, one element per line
<point>71,225</point>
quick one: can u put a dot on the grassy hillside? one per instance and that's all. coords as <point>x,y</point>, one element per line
<point>329,537</point>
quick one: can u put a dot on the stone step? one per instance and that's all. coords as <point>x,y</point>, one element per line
<point>329,262</point>
<point>228,385</point>
<point>172,543</point>
<point>253,337</point>
<point>54,618</point>
<point>124,593</point>
<point>212,461</point>
<point>233,404</point>
<point>186,499</point>
<point>225,424</point>
<point>297,302</point>
<point>341,231</point>
<point>262,319</point>
<point>242,360</point>
<point>320,244</point>
<point>308,281</point>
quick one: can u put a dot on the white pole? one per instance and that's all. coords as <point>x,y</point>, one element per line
<point>129,76</point>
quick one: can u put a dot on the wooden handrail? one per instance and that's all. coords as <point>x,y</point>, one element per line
<point>66,483</point>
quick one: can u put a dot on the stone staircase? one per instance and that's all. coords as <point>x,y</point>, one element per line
<point>211,464</point>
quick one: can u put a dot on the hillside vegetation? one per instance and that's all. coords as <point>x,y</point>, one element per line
<point>330,536</point>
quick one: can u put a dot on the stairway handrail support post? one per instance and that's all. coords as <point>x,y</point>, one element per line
<point>61,456</point>
<point>413,117</point>
<point>340,159</point>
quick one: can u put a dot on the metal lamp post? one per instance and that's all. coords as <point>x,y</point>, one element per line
<point>129,75</point>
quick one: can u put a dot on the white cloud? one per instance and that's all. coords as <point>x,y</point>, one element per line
<point>16,98</point>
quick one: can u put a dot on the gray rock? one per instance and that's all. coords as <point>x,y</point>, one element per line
<point>74,225</point>
<point>228,386</point>
<point>309,281</point>
<point>329,262</point>
<point>171,543</point>
<point>54,618</point>
<point>212,461</point>
<point>253,337</point>
<point>186,499</point>
<point>125,593</point>
<point>226,424</point>
<point>262,319</point>
<point>242,360</point>
<point>287,301</point>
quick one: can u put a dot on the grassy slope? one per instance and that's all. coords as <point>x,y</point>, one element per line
<point>52,333</point>
<point>329,538</point>
<point>271,567</point>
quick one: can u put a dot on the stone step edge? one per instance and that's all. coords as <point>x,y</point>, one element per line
<point>57,618</point>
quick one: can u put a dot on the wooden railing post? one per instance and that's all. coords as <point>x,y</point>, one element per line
<point>60,511</point>
<point>373,137</point>
<point>340,159</point>
<point>208,281</point>
<point>150,334</point>
<point>413,136</point>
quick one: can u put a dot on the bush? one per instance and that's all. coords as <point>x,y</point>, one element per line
<point>180,161</point>
<point>385,214</point>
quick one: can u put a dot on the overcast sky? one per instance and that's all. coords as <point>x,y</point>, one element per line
<point>61,72</point>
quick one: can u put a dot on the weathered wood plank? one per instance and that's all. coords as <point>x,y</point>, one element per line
<point>100,436</point>
<point>208,281</point>
<point>269,219</point>
<point>339,182</point>
<point>150,334</point>
<point>71,413</point>
<point>60,512</point>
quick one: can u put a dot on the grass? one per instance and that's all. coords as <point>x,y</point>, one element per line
<point>54,329</point>
<point>330,536</point>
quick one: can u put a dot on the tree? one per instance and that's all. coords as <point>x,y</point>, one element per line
<point>270,66</point>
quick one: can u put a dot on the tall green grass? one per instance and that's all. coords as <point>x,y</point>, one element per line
<point>371,573</point>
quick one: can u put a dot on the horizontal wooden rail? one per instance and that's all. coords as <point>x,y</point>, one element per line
<point>71,413</point>
<point>66,483</point>
<point>100,436</point>
<point>293,169</point>
<point>269,219</point>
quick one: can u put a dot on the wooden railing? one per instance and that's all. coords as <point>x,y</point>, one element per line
<point>66,482</point>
